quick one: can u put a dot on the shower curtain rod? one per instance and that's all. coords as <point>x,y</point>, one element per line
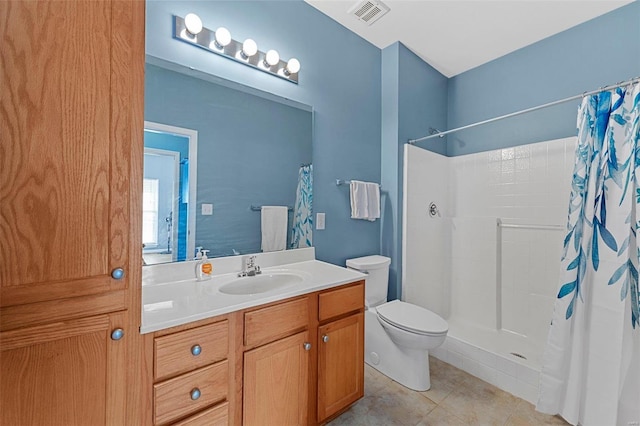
<point>524,111</point>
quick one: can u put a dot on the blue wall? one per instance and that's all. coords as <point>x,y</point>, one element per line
<point>390,195</point>
<point>340,78</point>
<point>368,102</point>
<point>249,153</point>
<point>414,97</point>
<point>596,53</point>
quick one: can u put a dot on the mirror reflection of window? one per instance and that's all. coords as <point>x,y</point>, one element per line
<point>150,212</point>
<point>167,157</point>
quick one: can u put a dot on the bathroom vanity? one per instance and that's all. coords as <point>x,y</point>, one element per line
<point>285,355</point>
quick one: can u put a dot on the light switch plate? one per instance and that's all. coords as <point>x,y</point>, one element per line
<point>319,221</point>
<point>207,209</point>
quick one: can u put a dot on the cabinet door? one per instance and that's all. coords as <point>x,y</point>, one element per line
<point>340,364</point>
<point>68,373</point>
<point>71,102</point>
<point>276,378</point>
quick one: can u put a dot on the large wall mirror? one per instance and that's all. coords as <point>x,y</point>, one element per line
<point>215,153</point>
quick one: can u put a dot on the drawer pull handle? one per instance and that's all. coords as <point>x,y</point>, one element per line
<point>325,338</point>
<point>195,394</point>
<point>307,346</point>
<point>117,334</point>
<point>117,274</point>
<point>196,350</point>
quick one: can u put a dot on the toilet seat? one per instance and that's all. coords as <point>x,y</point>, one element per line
<point>412,318</point>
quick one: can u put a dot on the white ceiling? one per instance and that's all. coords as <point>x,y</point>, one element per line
<point>456,35</point>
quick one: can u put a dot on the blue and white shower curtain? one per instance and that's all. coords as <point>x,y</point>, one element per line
<point>591,364</point>
<point>302,233</point>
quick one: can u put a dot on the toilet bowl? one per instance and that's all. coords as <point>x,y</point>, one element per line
<point>398,335</point>
<point>411,326</point>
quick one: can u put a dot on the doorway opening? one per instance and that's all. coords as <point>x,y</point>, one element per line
<point>169,193</point>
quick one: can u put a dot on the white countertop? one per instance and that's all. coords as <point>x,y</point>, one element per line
<point>180,301</point>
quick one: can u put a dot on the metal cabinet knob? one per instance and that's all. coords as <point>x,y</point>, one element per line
<point>196,350</point>
<point>325,338</point>
<point>117,274</point>
<point>195,393</point>
<point>117,334</point>
<point>307,346</point>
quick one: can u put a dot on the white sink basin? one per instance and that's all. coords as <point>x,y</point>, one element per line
<point>262,283</point>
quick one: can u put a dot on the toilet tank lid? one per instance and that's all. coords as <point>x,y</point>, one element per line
<point>367,263</point>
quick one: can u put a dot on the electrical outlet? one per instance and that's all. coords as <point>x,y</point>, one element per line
<point>207,209</point>
<point>319,221</point>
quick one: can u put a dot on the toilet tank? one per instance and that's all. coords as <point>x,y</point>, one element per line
<point>377,268</point>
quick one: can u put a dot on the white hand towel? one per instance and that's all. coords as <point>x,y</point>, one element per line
<point>359,203</point>
<point>365,200</point>
<point>373,201</point>
<point>274,228</point>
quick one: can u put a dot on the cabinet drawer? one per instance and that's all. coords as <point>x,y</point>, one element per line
<point>215,416</point>
<point>174,354</point>
<point>173,397</point>
<point>333,303</point>
<point>268,324</point>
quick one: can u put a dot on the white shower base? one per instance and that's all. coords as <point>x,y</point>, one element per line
<point>487,354</point>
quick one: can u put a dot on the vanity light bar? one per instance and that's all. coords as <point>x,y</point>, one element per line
<point>205,38</point>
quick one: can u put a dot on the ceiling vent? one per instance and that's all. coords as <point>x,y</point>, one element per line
<point>368,11</point>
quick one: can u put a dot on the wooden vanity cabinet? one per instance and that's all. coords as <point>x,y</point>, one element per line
<point>298,361</point>
<point>340,349</point>
<point>192,374</point>
<point>70,209</point>
<point>277,361</point>
<point>276,382</point>
<point>304,358</point>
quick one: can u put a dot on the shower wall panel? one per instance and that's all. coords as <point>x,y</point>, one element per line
<point>460,264</point>
<point>426,237</point>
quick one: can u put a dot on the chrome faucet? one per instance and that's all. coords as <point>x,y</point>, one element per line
<point>249,267</point>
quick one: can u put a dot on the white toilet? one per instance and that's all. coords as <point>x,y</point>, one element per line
<point>398,335</point>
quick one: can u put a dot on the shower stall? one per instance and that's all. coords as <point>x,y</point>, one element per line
<point>482,241</point>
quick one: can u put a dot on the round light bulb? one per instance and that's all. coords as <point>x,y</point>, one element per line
<point>272,58</point>
<point>223,37</point>
<point>249,48</point>
<point>193,23</point>
<point>293,66</point>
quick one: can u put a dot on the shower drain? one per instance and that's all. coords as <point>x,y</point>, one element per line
<point>516,354</point>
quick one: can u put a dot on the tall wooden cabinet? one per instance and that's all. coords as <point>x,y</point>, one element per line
<point>71,126</point>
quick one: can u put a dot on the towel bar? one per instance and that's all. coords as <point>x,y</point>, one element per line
<point>340,182</point>
<point>259,208</point>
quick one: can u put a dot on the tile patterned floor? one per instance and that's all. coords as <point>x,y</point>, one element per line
<point>455,399</point>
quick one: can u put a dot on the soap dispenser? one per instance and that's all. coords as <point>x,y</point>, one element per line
<point>204,269</point>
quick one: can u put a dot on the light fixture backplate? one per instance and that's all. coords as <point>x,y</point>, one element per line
<point>205,39</point>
